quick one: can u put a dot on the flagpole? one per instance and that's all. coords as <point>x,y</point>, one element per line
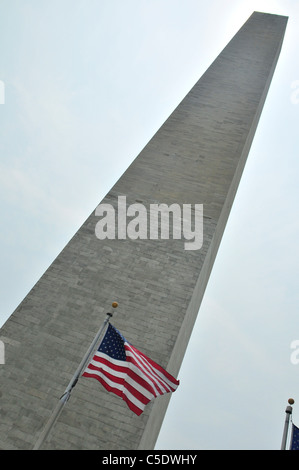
<point>288,412</point>
<point>67,393</point>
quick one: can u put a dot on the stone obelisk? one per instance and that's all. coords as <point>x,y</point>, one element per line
<point>196,157</point>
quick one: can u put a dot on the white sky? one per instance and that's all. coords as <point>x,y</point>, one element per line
<point>87,84</point>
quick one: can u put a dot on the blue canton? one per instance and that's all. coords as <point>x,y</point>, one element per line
<point>295,438</point>
<point>113,344</point>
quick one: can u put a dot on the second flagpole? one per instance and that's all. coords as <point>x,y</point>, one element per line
<point>289,410</point>
<point>67,393</point>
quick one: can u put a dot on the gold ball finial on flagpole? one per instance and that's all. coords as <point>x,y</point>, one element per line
<point>114,304</point>
<point>291,401</point>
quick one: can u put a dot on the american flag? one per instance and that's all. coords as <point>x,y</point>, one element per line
<point>127,372</point>
<point>295,438</point>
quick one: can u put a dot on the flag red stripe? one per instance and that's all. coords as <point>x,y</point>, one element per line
<point>123,380</point>
<point>146,383</point>
<point>137,379</point>
<point>117,392</point>
<point>149,383</point>
<point>120,392</point>
<point>164,372</point>
<point>154,385</point>
<point>140,360</point>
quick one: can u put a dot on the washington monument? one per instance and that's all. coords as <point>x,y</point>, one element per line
<point>150,245</point>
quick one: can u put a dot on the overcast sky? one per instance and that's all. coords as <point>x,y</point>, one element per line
<point>86,84</point>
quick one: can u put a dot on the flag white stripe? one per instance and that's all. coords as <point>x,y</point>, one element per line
<point>116,362</point>
<point>143,372</point>
<point>123,375</point>
<point>120,387</point>
<point>159,373</point>
<point>135,378</point>
<point>155,372</point>
<point>149,368</point>
<point>167,382</point>
<point>148,376</point>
